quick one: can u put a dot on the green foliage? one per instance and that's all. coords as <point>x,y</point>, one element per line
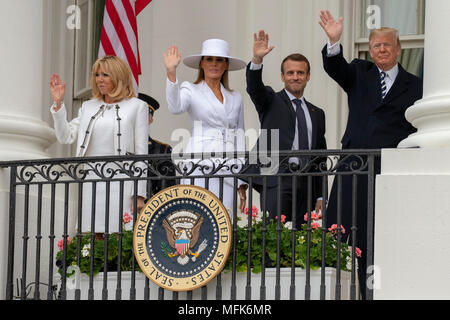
<point>273,232</point>
<point>286,237</point>
<point>93,251</point>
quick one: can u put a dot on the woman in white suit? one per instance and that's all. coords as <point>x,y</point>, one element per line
<point>216,112</point>
<point>113,122</point>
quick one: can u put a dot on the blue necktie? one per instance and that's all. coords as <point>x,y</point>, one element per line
<point>302,128</point>
<point>383,85</point>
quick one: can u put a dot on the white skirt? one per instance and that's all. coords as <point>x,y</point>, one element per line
<point>101,214</point>
<point>229,188</point>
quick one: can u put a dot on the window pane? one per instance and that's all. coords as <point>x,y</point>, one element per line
<point>407,16</point>
<point>410,59</point>
<point>98,22</point>
<point>81,75</point>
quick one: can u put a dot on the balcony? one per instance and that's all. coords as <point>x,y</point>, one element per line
<point>47,203</point>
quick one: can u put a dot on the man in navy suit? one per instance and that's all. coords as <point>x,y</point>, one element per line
<point>294,122</point>
<point>379,93</point>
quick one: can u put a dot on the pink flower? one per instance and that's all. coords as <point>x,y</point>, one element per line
<point>283,218</point>
<point>333,229</point>
<point>254,212</point>
<point>314,216</point>
<point>358,251</point>
<point>61,243</point>
<point>127,217</point>
<point>315,225</point>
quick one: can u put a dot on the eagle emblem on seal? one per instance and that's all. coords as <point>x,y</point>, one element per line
<point>182,231</point>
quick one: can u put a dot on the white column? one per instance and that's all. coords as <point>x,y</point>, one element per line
<point>431,115</point>
<point>23,133</point>
<point>412,252</point>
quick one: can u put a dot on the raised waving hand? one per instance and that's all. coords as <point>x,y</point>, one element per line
<point>172,59</point>
<point>260,46</point>
<point>57,90</point>
<point>332,28</point>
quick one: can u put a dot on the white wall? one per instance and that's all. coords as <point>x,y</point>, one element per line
<point>292,26</point>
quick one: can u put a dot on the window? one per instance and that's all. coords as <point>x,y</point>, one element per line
<point>407,16</point>
<point>87,40</point>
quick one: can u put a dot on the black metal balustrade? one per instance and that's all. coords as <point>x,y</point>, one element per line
<point>36,223</point>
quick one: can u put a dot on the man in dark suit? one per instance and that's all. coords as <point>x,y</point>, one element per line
<point>379,93</point>
<point>295,123</point>
<point>164,167</point>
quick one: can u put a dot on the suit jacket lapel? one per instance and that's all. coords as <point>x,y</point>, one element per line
<point>288,104</point>
<point>313,116</point>
<point>399,86</point>
<point>217,109</point>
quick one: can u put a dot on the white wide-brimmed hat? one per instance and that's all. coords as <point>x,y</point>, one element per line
<point>215,48</point>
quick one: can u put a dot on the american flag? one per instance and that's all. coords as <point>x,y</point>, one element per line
<point>119,33</point>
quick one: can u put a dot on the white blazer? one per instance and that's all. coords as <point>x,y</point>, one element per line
<point>133,123</point>
<point>215,126</point>
<point>130,128</point>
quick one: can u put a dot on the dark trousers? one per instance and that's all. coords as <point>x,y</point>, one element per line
<point>353,215</point>
<point>286,195</point>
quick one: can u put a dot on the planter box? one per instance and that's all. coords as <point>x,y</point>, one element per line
<point>226,279</point>
<point>285,285</point>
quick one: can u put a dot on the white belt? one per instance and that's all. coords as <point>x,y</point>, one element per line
<point>224,135</point>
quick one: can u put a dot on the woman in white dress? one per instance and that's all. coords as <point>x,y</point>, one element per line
<point>113,122</point>
<point>216,112</point>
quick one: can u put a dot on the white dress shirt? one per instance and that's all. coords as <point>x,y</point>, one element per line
<point>307,117</point>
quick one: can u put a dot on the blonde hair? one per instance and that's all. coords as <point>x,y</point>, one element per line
<point>223,79</point>
<point>120,74</point>
<point>385,31</point>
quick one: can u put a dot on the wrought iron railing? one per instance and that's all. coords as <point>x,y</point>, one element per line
<point>45,205</point>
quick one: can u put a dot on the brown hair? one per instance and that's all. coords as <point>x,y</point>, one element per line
<point>296,57</point>
<point>120,74</point>
<point>223,80</point>
<point>385,31</point>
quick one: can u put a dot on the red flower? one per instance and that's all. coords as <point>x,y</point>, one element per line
<point>61,243</point>
<point>333,229</point>
<point>315,225</point>
<point>254,211</point>
<point>358,251</point>
<point>283,218</point>
<point>314,216</point>
<point>127,217</point>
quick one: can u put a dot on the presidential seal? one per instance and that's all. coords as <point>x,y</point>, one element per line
<point>182,237</point>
